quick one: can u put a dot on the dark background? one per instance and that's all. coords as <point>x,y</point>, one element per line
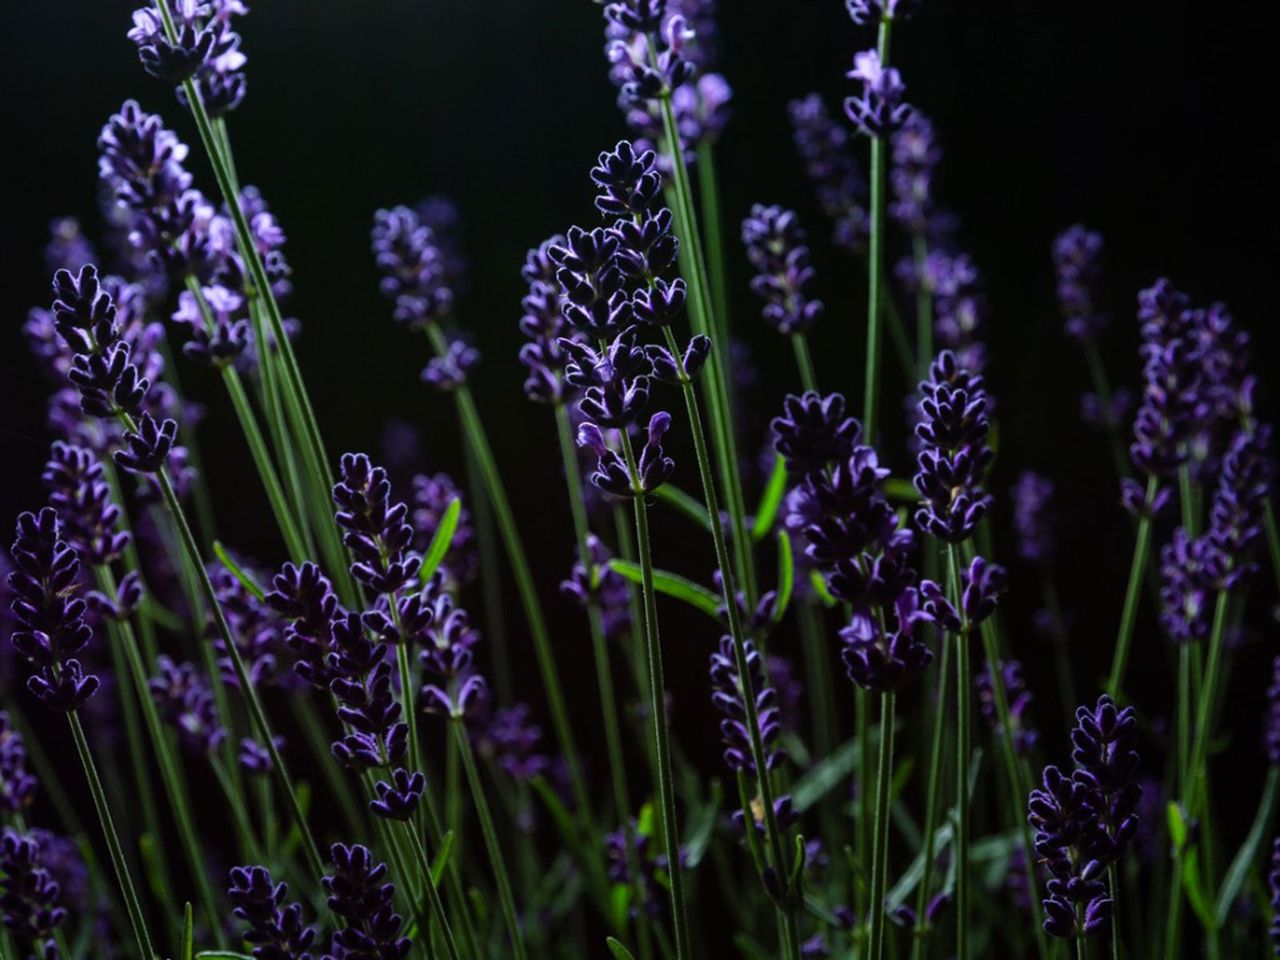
<point>1137,119</point>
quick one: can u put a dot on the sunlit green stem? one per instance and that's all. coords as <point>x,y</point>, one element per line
<point>924,308</point>
<point>1130,611</point>
<point>804,362</point>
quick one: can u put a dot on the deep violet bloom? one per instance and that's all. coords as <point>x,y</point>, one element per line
<point>727,692</point>
<point>220,337</point>
<point>542,322</point>
<point>255,629</point>
<point>878,110</point>
<point>609,591</point>
<point>1271,735</point>
<point>1077,259</point>
<point>358,893</point>
<point>17,786</point>
<point>1186,596</point>
<point>813,432</point>
<point>1105,751</point>
<point>871,11</point>
<point>80,493</point>
<point>514,741</point>
<point>375,736</point>
<point>305,598</point>
<point>30,896</point>
<point>255,759</point>
<point>1033,517</point>
<point>1076,902</point>
<point>915,157</point>
<point>646,50</point>
<point>51,628</point>
<point>1018,698</point>
<point>173,61</point>
<point>884,658</point>
<point>413,268</point>
<point>186,703</point>
<point>452,687</point>
<point>449,372</point>
<point>374,529</point>
<point>275,928</point>
<point>824,147</point>
<point>1235,517</point>
<point>775,244</point>
<point>950,467</point>
<point>614,476</point>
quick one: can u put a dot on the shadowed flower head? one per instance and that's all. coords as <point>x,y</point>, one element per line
<point>813,432</point>
<point>30,897</point>
<point>374,529</point>
<point>886,656</point>
<point>413,267</point>
<point>775,245</point>
<point>80,493</point>
<point>275,928</point>
<point>878,109</point>
<point>1077,258</point>
<point>358,892</point>
<point>186,703</point>
<point>17,786</point>
<point>727,693</point>
<point>1033,517</point>
<point>1017,697</point>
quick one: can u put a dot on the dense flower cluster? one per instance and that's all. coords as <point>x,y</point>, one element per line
<point>413,267</point>
<point>1271,729</point>
<point>825,148</point>
<point>775,246</point>
<point>601,585</point>
<point>915,157</point>
<point>1084,821</point>
<point>30,897</point>
<point>275,928</point>
<point>1033,517</point>
<point>543,323</point>
<point>186,703</point>
<point>359,893</point>
<point>727,691</point>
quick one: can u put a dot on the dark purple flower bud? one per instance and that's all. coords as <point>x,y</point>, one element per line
<point>1235,518</point>
<point>178,60</point>
<point>1033,517</point>
<point>1077,258</point>
<point>219,336</point>
<point>375,736</point>
<point>50,626</point>
<point>453,687</point>
<point>358,893</point>
<point>81,495</point>
<point>915,157</point>
<point>1104,750</point>
<point>627,180</point>
<point>601,585</point>
<point>1186,591</point>
<point>375,529</point>
<point>814,433</point>
<point>1133,497</point>
<point>883,658</point>
<point>543,323</point>
<point>776,247</point>
<point>17,786</point>
<point>954,458</point>
<point>304,596</point>
<point>659,304</point>
<point>413,268</point>
<point>615,381</point>
<point>1076,902</point>
<point>589,276</point>
<point>255,759</point>
<point>654,467</point>
<point>147,450</point>
<point>871,11</point>
<point>611,473</point>
<point>727,692</point>
<point>828,158</point>
<point>982,583</point>
<point>276,930</point>
<point>878,110</point>
<point>30,897</point>
<point>186,703</point>
<point>1017,697</point>
<point>399,799</point>
<point>449,372</point>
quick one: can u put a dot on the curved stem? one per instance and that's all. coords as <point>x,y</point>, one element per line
<point>133,907</point>
<point>880,852</point>
<point>657,709</point>
<point>1130,611</point>
<point>492,846</point>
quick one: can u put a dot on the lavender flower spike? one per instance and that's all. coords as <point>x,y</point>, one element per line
<point>878,111</point>
<point>413,267</point>
<point>276,930</point>
<point>776,248</point>
<point>30,897</point>
<point>1271,738</point>
<point>359,894</point>
<point>17,786</point>
<point>1077,255</point>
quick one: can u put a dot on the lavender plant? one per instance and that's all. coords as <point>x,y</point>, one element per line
<point>331,755</point>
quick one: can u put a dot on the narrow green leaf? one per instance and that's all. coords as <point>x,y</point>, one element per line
<point>820,588</point>
<point>558,813</point>
<point>1247,856</point>
<point>786,576</point>
<point>249,583</point>
<point>767,509</point>
<point>222,955</point>
<point>188,932</point>
<point>701,825</point>
<point>684,503</point>
<point>441,540</point>
<point>895,488</point>
<point>673,585</point>
<point>797,864</point>
<point>1195,893</point>
<point>646,822</point>
<point>1177,826</point>
<point>618,950</point>
<point>151,865</point>
<point>825,776</point>
<point>442,857</point>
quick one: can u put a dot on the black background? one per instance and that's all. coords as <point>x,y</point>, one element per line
<point>1138,119</point>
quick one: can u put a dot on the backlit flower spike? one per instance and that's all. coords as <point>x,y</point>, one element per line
<point>50,628</point>
<point>17,786</point>
<point>178,60</point>
<point>813,432</point>
<point>1076,903</point>
<point>887,658</point>
<point>374,528</point>
<point>595,303</point>
<point>543,323</point>
<point>452,685</point>
<point>304,596</point>
<point>775,244</point>
<point>1104,750</point>
<point>275,928</point>
<point>449,372</point>
<point>872,11</point>
<point>1186,591</point>
<point>78,490</point>
<point>1236,515</point>
<point>915,156</point>
<point>878,110</point>
<point>726,696</point>
<point>220,338</point>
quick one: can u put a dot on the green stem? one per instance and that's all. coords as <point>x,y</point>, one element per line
<point>880,852</point>
<point>1130,611</point>
<point>492,845</point>
<point>436,905</point>
<point>479,442</point>
<point>919,944</point>
<point>1113,886</point>
<point>713,229</point>
<point>804,362</point>
<point>247,836</point>
<point>657,709</point>
<point>963,734</point>
<point>1197,773</point>
<point>875,261</point>
<point>490,579</point>
<point>132,905</point>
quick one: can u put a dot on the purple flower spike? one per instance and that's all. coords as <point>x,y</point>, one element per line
<point>544,324</point>
<point>413,267</point>
<point>148,450</point>
<point>305,597</point>
<point>878,111</point>
<point>1033,517</point>
<point>177,61</point>
<point>813,432</point>
<point>871,11</point>
<point>828,158</point>
<point>452,685</point>
<point>1017,697</point>
<point>1077,256</point>
<point>1235,518</point>
<point>50,614</point>
<point>82,497</point>
<point>17,786</point>
<point>727,696</point>
<point>1076,902</point>
<point>1186,593</point>
<point>1273,884</point>
<point>186,703</point>
<point>450,372</point>
<point>30,898</point>
<point>775,246</point>
<point>915,157</point>
<point>982,583</point>
<point>883,659</point>
<point>1104,750</point>
<point>276,930</point>
<point>374,528</point>
<point>376,737</point>
<point>359,894</point>
<point>399,799</point>
<point>609,590</point>
<point>255,759</point>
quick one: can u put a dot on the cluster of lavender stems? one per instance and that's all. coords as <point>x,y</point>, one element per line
<point>364,634</point>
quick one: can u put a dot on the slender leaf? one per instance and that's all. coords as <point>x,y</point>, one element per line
<point>249,583</point>
<point>674,585</point>
<point>700,827</point>
<point>618,950</point>
<point>825,776</point>
<point>895,488</point>
<point>767,509</point>
<point>820,588</point>
<point>786,576</point>
<point>1195,892</point>
<point>442,857</point>
<point>1177,825</point>
<point>1248,854</point>
<point>684,503</point>
<point>441,540</point>
<point>188,932</point>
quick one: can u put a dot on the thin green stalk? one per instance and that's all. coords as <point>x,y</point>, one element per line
<point>318,741</point>
<point>490,579</point>
<point>804,362</point>
<point>492,846</point>
<point>919,945</point>
<point>436,905</point>
<point>133,906</point>
<point>261,724</point>
<point>963,733</point>
<point>1184,715</point>
<point>773,835</point>
<point>407,688</point>
<point>479,441</point>
<point>657,710</point>
<point>880,852</point>
<point>162,746</point>
<point>818,670</point>
<point>703,319</point>
<point>875,262</point>
<point>709,189</point>
<point>1113,886</point>
<point>862,828</point>
<point>1197,785</point>
<point>246,835</point>
<point>1130,611</point>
